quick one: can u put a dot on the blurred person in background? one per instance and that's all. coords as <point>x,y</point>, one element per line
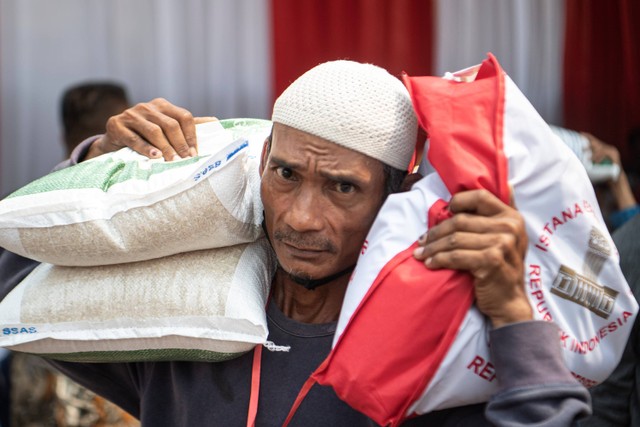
<point>616,194</point>
<point>616,402</point>
<point>85,109</point>
<point>603,164</point>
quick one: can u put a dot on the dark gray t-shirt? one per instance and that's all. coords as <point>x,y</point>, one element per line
<point>217,394</point>
<point>211,394</point>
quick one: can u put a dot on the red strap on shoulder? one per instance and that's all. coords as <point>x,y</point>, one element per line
<point>255,386</point>
<point>301,395</point>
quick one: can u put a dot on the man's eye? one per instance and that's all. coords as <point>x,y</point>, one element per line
<point>285,173</point>
<point>345,187</point>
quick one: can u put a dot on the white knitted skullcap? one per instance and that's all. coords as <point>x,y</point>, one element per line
<point>358,106</point>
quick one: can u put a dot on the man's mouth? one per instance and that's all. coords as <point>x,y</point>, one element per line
<point>303,248</point>
<point>303,244</point>
<point>302,252</point>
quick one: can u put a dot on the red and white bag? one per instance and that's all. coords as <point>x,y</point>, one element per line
<point>410,340</point>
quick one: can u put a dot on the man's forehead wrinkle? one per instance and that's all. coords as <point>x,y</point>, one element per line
<point>326,163</point>
<point>304,152</point>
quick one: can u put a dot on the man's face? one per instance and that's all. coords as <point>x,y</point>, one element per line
<point>320,200</point>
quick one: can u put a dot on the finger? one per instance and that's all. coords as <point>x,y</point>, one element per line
<point>177,126</point>
<point>145,125</point>
<point>597,156</point>
<point>185,131</point>
<point>486,230</point>
<point>119,136</point>
<point>470,223</point>
<point>481,264</point>
<point>481,202</point>
<point>462,259</point>
<point>506,243</point>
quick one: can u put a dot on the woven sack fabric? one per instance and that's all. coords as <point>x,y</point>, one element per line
<point>206,305</point>
<point>124,207</point>
<point>409,340</point>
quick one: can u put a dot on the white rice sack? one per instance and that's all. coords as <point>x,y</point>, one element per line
<point>205,306</point>
<point>124,207</point>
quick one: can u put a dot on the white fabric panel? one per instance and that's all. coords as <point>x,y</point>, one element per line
<point>526,36</point>
<point>210,56</point>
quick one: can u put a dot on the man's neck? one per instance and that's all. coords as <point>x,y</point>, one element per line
<point>321,305</point>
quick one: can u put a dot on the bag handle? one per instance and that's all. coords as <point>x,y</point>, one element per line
<point>306,387</point>
<point>255,386</point>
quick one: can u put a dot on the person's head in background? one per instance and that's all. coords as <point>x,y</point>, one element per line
<point>85,109</point>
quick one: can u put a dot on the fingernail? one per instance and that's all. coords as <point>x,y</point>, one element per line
<point>417,252</point>
<point>193,152</point>
<point>176,157</point>
<point>428,261</point>
<point>154,153</point>
<point>423,238</point>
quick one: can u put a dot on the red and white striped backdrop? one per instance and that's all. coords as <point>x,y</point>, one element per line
<point>576,60</point>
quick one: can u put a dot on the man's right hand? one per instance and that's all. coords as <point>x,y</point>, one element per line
<point>154,129</point>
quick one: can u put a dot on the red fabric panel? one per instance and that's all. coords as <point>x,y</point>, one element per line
<point>467,120</point>
<point>396,361</point>
<point>601,63</point>
<point>394,35</point>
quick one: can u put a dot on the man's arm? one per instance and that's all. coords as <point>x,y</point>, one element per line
<point>535,386</point>
<point>487,238</point>
<point>117,382</point>
<point>626,204</point>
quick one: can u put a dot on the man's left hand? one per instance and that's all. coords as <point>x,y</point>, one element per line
<point>487,238</point>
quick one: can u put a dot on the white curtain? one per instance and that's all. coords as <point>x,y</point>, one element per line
<point>209,56</point>
<point>526,36</point>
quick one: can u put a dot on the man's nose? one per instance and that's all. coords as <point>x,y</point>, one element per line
<point>305,212</point>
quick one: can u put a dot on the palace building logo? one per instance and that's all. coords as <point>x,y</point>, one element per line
<point>583,288</point>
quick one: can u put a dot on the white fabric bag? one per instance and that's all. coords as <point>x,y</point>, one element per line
<point>409,340</point>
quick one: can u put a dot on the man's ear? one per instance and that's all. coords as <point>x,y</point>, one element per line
<point>264,155</point>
